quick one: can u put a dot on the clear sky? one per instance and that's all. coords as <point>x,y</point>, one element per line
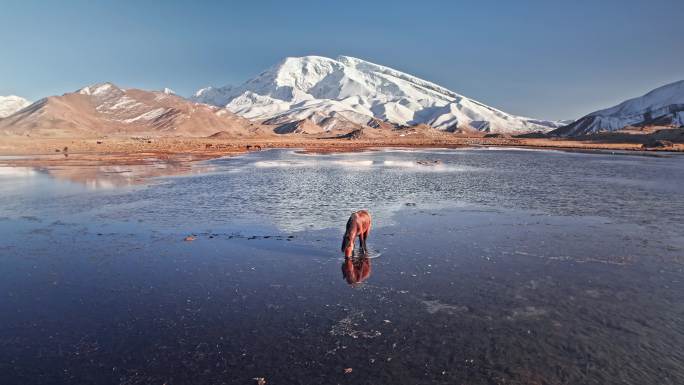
<point>546,59</point>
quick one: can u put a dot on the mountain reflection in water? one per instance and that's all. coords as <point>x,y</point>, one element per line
<point>96,176</point>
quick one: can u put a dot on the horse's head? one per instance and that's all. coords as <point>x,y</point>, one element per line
<point>347,246</point>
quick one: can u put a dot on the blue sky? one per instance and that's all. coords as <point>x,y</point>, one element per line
<point>546,59</point>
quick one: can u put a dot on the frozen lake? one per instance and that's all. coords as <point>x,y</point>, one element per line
<point>488,266</point>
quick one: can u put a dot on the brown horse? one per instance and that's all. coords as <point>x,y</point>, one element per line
<point>358,225</point>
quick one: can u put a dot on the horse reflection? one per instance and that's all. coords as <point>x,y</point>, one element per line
<point>355,270</point>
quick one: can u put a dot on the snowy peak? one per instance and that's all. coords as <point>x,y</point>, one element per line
<point>324,78</point>
<point>316,87</point>
<point>300,74</point>
<point>666,95</point>
<point>100,89</point>
<point>363,65</point>
<point>663,106</point>
<point>11,104</point>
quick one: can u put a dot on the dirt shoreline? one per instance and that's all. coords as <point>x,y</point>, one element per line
<point>45,152</point>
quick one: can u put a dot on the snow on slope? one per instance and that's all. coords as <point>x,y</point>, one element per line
<point>662,106</point>
<point>316,88</point>
<point>11,104</point>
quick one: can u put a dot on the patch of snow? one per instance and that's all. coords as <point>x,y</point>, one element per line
<point>99,90</point>
<point>123,103</point>
<point>150,115</point>
<point>96,89</point>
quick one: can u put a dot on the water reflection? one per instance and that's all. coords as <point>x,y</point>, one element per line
<point>17,172</point>
<point>355,270</point>
<point>104,177</point>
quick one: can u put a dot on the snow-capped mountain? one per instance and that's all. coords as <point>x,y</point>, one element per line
<point>663,106</point>
<point>105,109</point>
<point>329,92</point>
<point>11,104</point>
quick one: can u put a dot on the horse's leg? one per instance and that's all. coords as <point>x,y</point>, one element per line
<point>365,237</point>
<point>361,243</point>
<point>362,237</point>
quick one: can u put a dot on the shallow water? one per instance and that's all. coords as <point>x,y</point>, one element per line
<point>487,267</point>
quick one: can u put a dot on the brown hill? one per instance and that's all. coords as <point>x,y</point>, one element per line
<point>422,131</point>
<point>304,126</point>
<point>380,124</point>
<point>105,109</point>
<point>367,133</point>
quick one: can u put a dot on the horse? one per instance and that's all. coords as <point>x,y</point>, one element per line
<point>358,225</point>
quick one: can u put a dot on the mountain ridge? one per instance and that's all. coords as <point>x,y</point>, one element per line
<point>106,109</point>
<point>661,106</point>
<point>315,87</point>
